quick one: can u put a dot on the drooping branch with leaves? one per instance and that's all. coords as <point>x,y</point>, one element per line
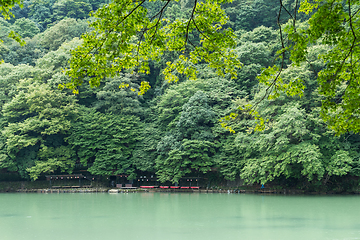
<point>335,24</point>
<point>127,35</point>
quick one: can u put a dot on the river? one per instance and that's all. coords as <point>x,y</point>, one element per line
<point>175,216</point>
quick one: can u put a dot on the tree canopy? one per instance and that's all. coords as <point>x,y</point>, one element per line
<point>128,34</point>
<point>273,59</point>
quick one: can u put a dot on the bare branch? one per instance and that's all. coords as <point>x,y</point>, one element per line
<point>273,84</point>
<point>282,6</point>
<point>188,25</point>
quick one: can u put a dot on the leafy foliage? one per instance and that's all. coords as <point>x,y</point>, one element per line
<point>191,146</point>
<point>63,31</point>
<point>105,142</point>
<point>38,119</point>
<point>334,24</point>
<point>124,29</point>
<point>120,101</point>
<point>71,9</point>
<point>139,123</point>
<point>25,27</point>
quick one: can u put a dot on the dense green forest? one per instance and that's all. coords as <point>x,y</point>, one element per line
<point>173,130</point>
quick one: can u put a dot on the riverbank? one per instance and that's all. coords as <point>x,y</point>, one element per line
<point>137,190</point>
<point>43,187</point>
<point>134,190</point>
<point>238,191</point>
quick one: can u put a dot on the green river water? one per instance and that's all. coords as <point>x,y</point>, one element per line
<point>173,216</point>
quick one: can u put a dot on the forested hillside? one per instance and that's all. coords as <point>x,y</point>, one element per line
<point>173,130</point>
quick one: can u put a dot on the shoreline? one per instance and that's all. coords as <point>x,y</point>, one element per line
<point>139,190</point>
<point>97,187</point>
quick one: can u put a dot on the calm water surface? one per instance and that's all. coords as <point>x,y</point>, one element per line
<point>150,216</point>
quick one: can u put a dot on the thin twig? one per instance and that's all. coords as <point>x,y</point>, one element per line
<point>273,84</point>
<point>282,6</point>
<point>188,25</point>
